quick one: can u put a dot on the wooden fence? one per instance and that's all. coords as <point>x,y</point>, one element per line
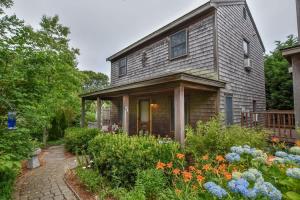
<point>280,123</point>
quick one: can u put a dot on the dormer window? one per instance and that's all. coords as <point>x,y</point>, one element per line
<point>123,67</point>
<point>178,44</point>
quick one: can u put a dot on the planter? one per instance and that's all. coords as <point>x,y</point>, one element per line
<point>34,162</point>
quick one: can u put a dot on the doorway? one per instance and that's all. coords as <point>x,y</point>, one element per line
<point>144,116</point>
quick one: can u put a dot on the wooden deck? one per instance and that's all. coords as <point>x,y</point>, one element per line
<point>280,123</point>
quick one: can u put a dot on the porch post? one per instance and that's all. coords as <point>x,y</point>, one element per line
<point>99,106</point>
<point>125,122</point>
<point>179,114</point>
<point>82,124</point>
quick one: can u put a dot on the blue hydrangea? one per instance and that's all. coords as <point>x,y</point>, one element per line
<point>295,150</point>
<point>268,190</point>
<point>215,190</point>
<point>241,186</point>
<point>249,176</point>
<point>257,153</point>
<point>232,157</point>
<point>293,172</point>
<point>281,154</point>
<point>237,149</point>
<point>279,160</point>
<point>294,158</point>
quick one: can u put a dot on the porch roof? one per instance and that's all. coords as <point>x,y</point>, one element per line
<point>166,81</point>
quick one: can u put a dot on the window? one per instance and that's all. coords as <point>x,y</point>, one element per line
<point>178,44</point>
<point>254,105</point>
<point>246,48</point>
<point>229,110</point>
<point>122,67</point>
<point>244,13</point>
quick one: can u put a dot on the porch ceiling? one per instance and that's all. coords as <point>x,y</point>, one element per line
<point>156,84</point>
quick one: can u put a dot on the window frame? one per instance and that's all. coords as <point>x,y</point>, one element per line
<point>119,67</point>
<point>186,46</point>
<point>228,95</point>
<point>246,55</point>
<point>244,13</point>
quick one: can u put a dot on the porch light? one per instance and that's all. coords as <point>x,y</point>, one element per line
<point>154,104</point>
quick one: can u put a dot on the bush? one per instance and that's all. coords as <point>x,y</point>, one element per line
<point>212,136</point>
<point>15,145</point>
<point>152,181</point>
<point>76,139</point>
<point>120,157</point>
<point>90,178</point>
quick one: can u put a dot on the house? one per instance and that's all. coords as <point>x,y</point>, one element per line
<point>293,56</point>
<point>208,61</point>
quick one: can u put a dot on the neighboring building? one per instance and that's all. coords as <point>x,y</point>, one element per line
<point>208,61</point>
<point>293,56</point>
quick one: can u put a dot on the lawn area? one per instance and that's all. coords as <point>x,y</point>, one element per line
<point>216,163</point>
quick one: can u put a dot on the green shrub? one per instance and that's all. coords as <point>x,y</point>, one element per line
<point>90,178</point>
<point>15,145</point>
<point>76,139</point>
<point>152,181</point>
<point>120,157</point>
<point>213,137</point>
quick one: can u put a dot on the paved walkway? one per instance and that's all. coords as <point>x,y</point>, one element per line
<point>46,182</point>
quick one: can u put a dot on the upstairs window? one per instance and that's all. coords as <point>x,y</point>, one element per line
<point>122,67</point>
<point>244,13</point>
<point>246,48</point>
<point>178,44</point>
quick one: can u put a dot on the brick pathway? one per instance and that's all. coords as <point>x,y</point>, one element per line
<point>47,182</point>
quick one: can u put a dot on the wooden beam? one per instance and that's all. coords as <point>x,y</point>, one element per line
<point>125,120</point>
<point>82,121</point>
<point>98,110</point>
<point>179,114</point>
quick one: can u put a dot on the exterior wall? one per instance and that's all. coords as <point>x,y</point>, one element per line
<point>200,59</point>
<point>296,79</point>
<point>245,87</point>
<point>203,106</point>
<point>115,112</point>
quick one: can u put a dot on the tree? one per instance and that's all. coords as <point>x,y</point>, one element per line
<point>279,82</point>
<point>94,81</point>
<point>38,71</point>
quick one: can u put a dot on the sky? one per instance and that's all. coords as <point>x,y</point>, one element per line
<point>100,28</point>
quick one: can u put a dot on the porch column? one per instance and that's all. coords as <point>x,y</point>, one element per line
<point>125,120</point>
<point>179,114</point>
<point>82,124</point>
<point>296,85</point>
<point>98,110</point>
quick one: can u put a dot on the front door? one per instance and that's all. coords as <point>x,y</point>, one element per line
<point>144,116</point>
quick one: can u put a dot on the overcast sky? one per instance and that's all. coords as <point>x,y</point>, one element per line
<point>100,28</point>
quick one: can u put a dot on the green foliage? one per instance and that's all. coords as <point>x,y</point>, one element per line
<point>15,145</point>
<point>279,82</point>
<point>120,157</point>
<point>90,178</point>
<point>94,81</point>
<point>152,181</point>
<point>77,139</point>
<point>212,136</point>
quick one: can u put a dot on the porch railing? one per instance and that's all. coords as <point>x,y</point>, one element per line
<point>280,123</point>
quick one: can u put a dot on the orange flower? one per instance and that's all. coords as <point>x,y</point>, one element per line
<point>227,176</point>
<point>199,172</point>
<point>200,179</point>
<point>275,139</point>
<point>180,156</point>
<point>270,159</point>
<point>220,158</point>
<point>192,168</point>
<point>160,165</point>
<point>215,171</point>
<point>194,187</point>
<point>222,167</point>
<point>207,167</point>
<point>176,171</point>
<point>205,157</point>
<point>297,143</point>
<point>177,191</point>
<point>170,165</point>
<point>187,176</point>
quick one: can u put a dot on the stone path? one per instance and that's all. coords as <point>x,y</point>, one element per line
<point>46,182</point>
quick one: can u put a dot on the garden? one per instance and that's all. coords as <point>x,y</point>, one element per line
<point>216,163</point>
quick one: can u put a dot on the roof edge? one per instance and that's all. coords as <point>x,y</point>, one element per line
<point>165,28</point>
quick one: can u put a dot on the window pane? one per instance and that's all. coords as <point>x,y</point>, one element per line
<point>122,70</point>
<point>246,47</point>
<point>178,44</point>
<point>178,50</point>
<point>144,106</point>
<point>122,66</point>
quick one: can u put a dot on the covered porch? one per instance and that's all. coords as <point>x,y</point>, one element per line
<point>159,106</point>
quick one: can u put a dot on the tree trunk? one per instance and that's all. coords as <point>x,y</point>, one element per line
<point>45,136</point>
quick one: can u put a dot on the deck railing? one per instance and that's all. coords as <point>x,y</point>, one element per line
<point>281,123</point>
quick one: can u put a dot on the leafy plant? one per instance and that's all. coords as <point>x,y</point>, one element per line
<point>90,178</point>
<point>77,139</point>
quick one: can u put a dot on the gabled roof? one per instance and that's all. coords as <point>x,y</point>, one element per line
<point>212,4</point>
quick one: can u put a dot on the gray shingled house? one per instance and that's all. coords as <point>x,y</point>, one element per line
<point>206,62</point>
